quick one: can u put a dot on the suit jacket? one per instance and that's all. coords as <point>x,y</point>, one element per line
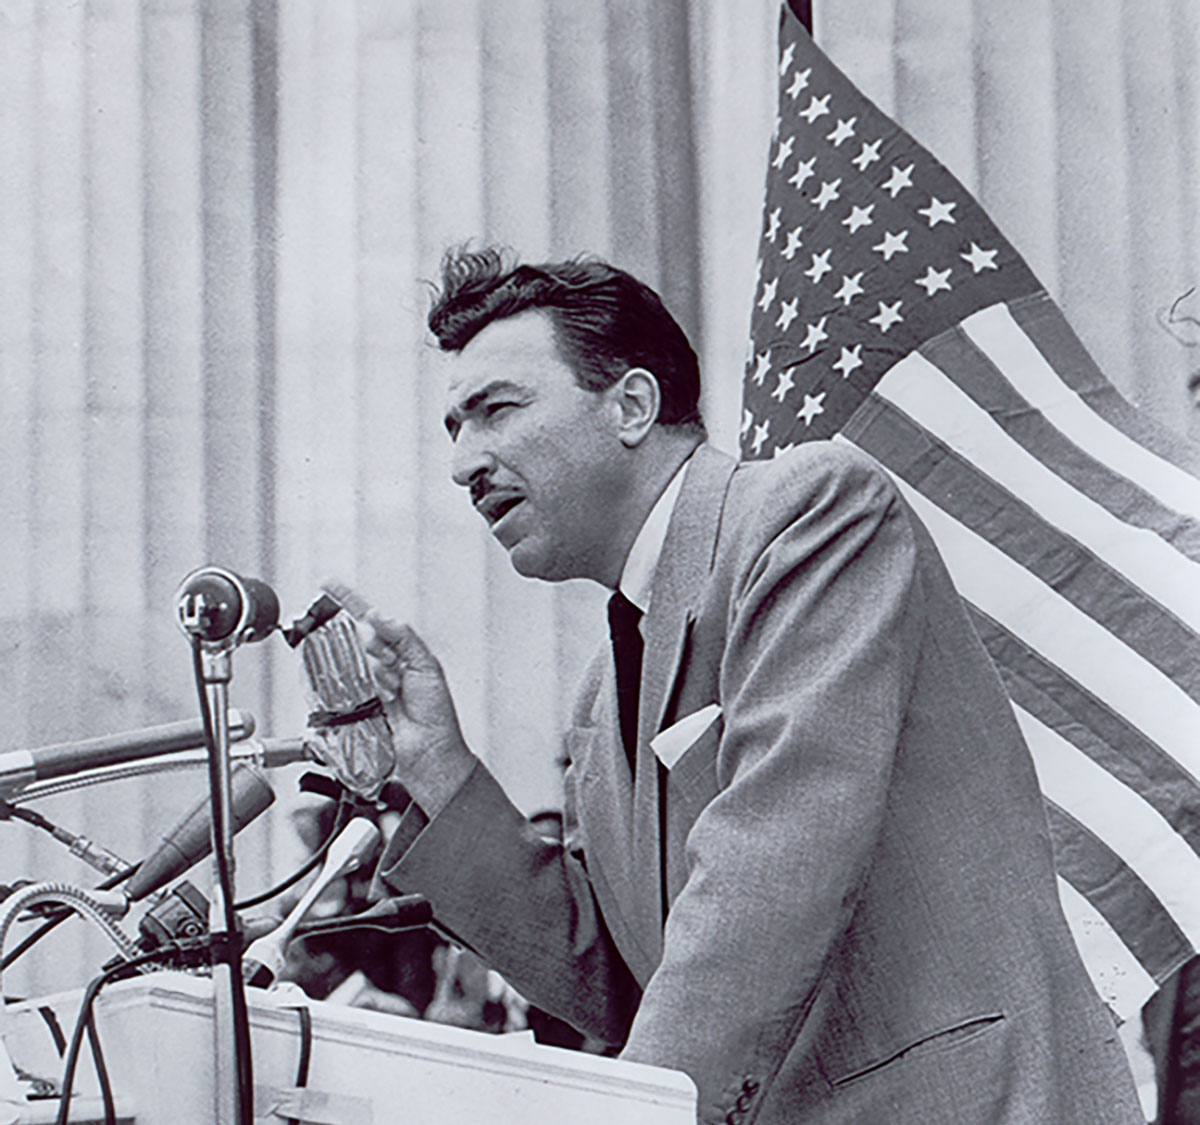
<point>837,904</point>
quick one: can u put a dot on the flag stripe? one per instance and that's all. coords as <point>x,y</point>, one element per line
<point>1131,909</point>
<point>1045,325</point>
<point>1137,834</point>
<point>975,500</point>
<point>999,336</point>
<point>1042,690</point>
<point>917,387</point>
<point>1030,609</point>
<point>962,361</point>
<point>1118,977</point>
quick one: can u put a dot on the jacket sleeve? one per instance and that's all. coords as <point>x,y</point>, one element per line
<point>522,900</point>
<point>823,625</point>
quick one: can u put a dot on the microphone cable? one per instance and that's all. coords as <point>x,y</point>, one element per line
<point>230,950</point>
<point>85,1024</point>
<point>341,818</point>
<point>94,855</point>
<point>32,939</point>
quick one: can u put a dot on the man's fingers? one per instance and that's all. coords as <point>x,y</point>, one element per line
<point>387,681</point>
<point>397,643</point>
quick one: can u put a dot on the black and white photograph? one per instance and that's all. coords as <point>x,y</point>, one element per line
<point>620,561</point>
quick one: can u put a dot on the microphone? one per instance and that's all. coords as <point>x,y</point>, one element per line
<point>20,767</point>
<point>263,960</point>
<point>392,916</point>
<point>223,608</point>
<point>191,839</point>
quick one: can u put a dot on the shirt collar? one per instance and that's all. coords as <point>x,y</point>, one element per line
<point>638,573</point>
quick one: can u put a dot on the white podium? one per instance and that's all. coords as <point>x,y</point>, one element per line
<point>366,1068</point>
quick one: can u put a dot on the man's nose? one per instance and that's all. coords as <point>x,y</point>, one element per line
<point>470,459</point>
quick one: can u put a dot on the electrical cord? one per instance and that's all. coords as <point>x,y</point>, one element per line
<point>27,815</point>
<point>230,949</point>
<point>84,1017</point>
<point>32,939</point>
<point>106,1091</point>
<point>78,900</point>
<point>306,1038</point>
<point>344,811</point>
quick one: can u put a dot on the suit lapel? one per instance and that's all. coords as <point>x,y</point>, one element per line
<point>679,579</point>
<point>606,810</point>
<point>621,819</point>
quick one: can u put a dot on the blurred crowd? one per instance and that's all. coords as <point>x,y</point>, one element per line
<point>417,973</point>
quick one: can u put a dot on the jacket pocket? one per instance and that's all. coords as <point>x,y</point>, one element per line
<point>945,1039</point>
<point>671,744</point>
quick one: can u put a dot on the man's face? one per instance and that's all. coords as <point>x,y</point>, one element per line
<point>540,454</point>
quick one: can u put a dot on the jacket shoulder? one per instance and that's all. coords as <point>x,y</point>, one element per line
<point>816,476</point>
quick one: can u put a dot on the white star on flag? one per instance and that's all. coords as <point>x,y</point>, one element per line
<point>980,259</point>
<point>828,193</point>
<point>786,383</point>
<point>816,335</point>
<point>859,217</point>
<point>887,316</point>
<point>788,312</point>
<point>811,408</point>
<point>785,150</point>
<point>761,430</point>
<point>786,60</point>
<point>934,281</point>
<point>850,288</point>
<point>868,156</point>
<point>818,107</point>
<point>899,180</point>
<point>793,243</point>
<point>773,224</point>
<point>768,294</point>
<point>762,364</point>
<point>799,82</point>
<point>938,212</point>
<point>843,132</point>
<point>803,171</point>
<point>851,358</point>
<point>780,450</point>
<point>820,266</point>
<point>747,418</point>
<point>892,244</point>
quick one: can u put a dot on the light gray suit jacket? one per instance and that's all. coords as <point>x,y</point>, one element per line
<point>861,918</point>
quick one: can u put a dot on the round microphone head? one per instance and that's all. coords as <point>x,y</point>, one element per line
<point>210,604</point>
<point>222,608</point>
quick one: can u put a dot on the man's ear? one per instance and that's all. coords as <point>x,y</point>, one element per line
<point>638,399</point>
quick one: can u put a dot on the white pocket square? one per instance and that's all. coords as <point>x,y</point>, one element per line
<point>670,744</point>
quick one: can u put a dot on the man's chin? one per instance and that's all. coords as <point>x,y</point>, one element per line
<point>530,562</point>
<point>526,562</point>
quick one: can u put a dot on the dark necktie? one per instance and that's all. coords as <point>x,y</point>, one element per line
<point>623,619</point>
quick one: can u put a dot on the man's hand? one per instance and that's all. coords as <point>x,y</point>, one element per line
<point>432,760</point>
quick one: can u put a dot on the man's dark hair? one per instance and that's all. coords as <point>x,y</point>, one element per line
<point>605,322</point>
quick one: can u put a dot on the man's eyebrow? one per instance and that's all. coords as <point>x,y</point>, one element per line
<point>456,414</point>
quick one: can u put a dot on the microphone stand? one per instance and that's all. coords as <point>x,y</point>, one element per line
<point>216,673</point>
<point>217,611</point>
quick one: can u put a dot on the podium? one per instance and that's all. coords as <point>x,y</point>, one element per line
<point>366,1068</point>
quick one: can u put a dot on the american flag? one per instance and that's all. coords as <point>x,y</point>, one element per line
<point>891,313</point>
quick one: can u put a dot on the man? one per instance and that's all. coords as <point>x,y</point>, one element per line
<point>806,860</point>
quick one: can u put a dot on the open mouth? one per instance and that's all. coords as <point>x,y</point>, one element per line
<point>495,510</point>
